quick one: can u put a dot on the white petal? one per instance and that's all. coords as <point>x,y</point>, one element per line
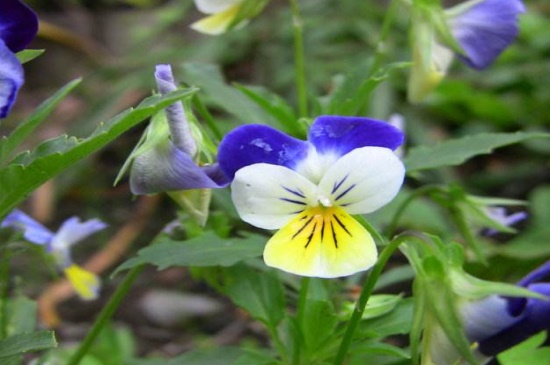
<point>215,6</point>
<point>363,180</point>
<point>269,196</point>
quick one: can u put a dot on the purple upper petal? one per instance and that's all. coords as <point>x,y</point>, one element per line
<point>168,168</point>
<point>18,24</point>
<point>11,79</point>
<point>73,231</point>
<point>255,143</point>
<point>341,135</point>
<point>32,230</point>
<point>517,305</point>
<point>486,29</point>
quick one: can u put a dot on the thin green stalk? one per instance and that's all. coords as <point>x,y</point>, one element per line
<point>299,59</point>
<point>368,288</point>
<point>210,122</point>
<point>301,307</point>
<point>4,287</point>
<point>384,33</point>
<point>106,314</point>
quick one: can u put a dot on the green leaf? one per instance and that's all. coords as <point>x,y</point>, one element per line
<point>398,321</point>
<point>456,151</point>
<point>24,129</point>
<point>27,55</point>
<point>318,328</point>
<point>205,250</point>
<point>32,169</point>
<point>261,295</point>
<point>275,106</point>
<point>210,80</point>
<point>24,342</point>
<point>354,89</point>
<point>528,352</point>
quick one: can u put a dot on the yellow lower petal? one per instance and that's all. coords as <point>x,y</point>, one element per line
<point>84,282</point>
<point>322,242</point>
<point>217,23</point>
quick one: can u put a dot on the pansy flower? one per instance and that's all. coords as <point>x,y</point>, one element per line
<point>59,244</point>
<point>477,32</point>
<point>225,14</point>
<point>18,26</point>
<point>308,190</point>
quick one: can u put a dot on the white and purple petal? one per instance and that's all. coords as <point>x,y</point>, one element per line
<point>255,143</point>
<point>485,30</point>
<point>18,24</point>
<point>363,180</point>
<point>269,196</point>
<point>71,231</point>
<point>166,168</point>
<point>11,79</point>
<point>339,135</point>
<point>32,230</point>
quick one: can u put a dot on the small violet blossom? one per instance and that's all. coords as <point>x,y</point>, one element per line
<point>309,189</point>
<point>18,26</point>
<point>482,29</point>
<point>500,215</point>
<point>165,161</point>
<point>58,244</point>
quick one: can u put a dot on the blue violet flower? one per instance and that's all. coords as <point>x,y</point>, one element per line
<point>58,244</point>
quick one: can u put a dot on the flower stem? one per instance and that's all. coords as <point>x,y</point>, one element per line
<point>368,288</point>
<point>106,314</point>
<point>210,122</point>
<point>4,287</point>
<point>381,47</point>
<point>299,59</point>
<point>300,315</point>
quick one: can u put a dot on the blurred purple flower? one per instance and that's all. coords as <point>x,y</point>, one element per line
<point>58,244</point>
<point>18,26</point>
<point>499,215</point>
<point>485,29</point>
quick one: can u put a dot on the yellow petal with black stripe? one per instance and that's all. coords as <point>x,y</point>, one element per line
<point>84,282</point>
<point>322,242</point>
<point>218,23</point>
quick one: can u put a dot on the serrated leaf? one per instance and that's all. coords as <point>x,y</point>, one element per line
<point>24,342</point>
<point>456,151</point>
<point>24,129</point>
<point>54,156</point>
<point>205,250</point>
<point>260,295</point>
